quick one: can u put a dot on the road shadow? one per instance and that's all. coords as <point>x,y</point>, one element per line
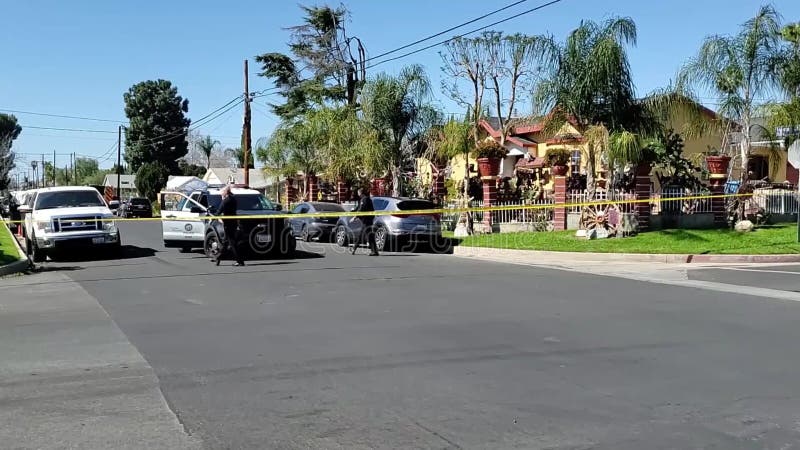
<point>45,268</point>
<point>126,252</point>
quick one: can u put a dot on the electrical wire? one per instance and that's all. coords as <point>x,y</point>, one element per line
<point>16,111</point>
<point>428,47</point>
<point>67,129</point>
<point>427,38</point>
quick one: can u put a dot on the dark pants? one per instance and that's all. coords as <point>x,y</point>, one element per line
<point>368,233</point>
<point>232,241</point>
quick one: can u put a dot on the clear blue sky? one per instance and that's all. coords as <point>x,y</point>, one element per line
<point>79,57</point>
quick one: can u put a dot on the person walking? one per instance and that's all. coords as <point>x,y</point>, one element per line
<point>367,229</point>
<point>227,208</point>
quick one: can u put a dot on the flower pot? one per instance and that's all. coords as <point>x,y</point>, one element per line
<point>718,165</point>
<point>643,170</point>
<point>488,167</point>
<point>559,170</point>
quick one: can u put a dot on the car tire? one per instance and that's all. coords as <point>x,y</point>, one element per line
<point>382,238</point>
<point>185,250</point>
<point>212,246</point>
<point>340,236</point>
<point>37,255</point>
<point>305,235</point>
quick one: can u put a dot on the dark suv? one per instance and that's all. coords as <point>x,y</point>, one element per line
<point>136,207</point>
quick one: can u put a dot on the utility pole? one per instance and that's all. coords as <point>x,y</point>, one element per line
<point>44,179</point>
<point>246,128</point>
<point>119,158</point>
<point>54,167</point>
<point>75,167</point>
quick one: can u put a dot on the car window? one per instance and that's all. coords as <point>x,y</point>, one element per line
<point>139,201</point>
<point>68,199</point>
<point>380,204</point>
<point>181,204</point>
<point>253,202</point>
<point>409,205</point>
<point>333,207</point>
<point>300,209</point>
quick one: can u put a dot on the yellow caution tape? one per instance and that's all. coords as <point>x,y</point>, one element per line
<point>418,211</point>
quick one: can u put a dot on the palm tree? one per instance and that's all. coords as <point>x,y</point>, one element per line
<point>207,145</point>
<point>738,71</point>
<point>591,86</point>
<point>397,109</point>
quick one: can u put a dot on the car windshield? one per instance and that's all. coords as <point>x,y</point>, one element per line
<point>328,207</point>
<point>68,199</point>
<point>139,201</point>
<point>410,205</point>
<point>244,202</point>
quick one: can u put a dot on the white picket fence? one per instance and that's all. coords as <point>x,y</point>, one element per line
<point>673,201</point>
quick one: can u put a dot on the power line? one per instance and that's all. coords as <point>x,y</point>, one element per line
<point>428,47</point>
<point>427,38</point>
<point>16,111</point>
<point>76,130</point>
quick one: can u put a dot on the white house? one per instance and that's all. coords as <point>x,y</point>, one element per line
<point>127,184</point>
<point>225,175</point>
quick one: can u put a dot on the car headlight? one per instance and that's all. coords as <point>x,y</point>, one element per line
<point>44,226</point>
<point>110,226</point>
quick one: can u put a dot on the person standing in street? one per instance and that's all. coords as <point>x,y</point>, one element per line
<point>227,208</point>
<point>367,229</point>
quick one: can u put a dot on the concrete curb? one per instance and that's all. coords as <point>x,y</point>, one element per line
<point>20,265</point>
<point>623,257</point>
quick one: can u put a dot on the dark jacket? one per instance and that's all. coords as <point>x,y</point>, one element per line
<point>228,207</point>
<point>365,205</point>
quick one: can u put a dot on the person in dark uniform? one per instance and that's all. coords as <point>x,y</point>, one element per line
<point>367,229</point>
<point>228,208</point>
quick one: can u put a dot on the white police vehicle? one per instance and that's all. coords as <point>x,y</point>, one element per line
<point>187,219</point>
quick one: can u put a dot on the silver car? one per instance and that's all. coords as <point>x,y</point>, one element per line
<point>395,228</point>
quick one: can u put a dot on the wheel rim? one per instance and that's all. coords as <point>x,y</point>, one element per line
<point>340,238</point>
<point>212,247</point>
<point>380,239</point>
<point>305,234</point>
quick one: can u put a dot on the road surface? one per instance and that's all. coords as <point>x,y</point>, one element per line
<point>432,351</point>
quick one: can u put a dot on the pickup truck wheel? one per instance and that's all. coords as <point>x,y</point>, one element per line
<point>185,249</point>
<point>37,255</point>
<point>212,247</point>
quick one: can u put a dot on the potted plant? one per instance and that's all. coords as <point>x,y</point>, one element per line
<point>488,153</point>
<point>558,159</point>
<point>717,163</point>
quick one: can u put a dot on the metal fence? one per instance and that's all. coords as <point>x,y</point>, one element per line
<point>507,215</point>
<point>673,201</point>
<point>604,198</point>
<point>776,201</point>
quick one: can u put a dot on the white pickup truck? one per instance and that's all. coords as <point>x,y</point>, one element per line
<point>67,218</point>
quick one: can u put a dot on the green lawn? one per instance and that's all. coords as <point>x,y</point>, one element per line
<point>765,240</point>
<point>8,252</point>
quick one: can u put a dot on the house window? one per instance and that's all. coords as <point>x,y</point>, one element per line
<point>575,163</point>
<point>758,167</point>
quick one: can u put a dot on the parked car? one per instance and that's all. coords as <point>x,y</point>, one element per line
<point>186,223</point>
<point>307,228</point>
<point>114,205</point>
<point>136,207</point>
<point>395,228</point>
<point>67,218</point>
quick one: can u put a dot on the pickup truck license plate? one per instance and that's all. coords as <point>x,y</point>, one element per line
<point>98,240</point>
<point>263,238</point>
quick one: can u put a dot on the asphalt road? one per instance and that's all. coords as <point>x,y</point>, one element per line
<point>432,351</point>
<point>784,277</point>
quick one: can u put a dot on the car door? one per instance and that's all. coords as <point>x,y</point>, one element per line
<point>297,222</point>
<point>181,225</point>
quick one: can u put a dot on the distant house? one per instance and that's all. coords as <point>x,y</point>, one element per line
<point>225,175</point>
<point>127,184</point>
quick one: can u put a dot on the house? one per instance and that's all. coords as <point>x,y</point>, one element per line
<point>225,175</point>
<point>127,183</point>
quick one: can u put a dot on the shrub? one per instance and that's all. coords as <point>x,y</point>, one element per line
<point>151,178</point>
<point>557,157</point>
<point>489,149</point>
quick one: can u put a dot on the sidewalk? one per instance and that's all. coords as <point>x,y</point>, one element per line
<point>70,378</point>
